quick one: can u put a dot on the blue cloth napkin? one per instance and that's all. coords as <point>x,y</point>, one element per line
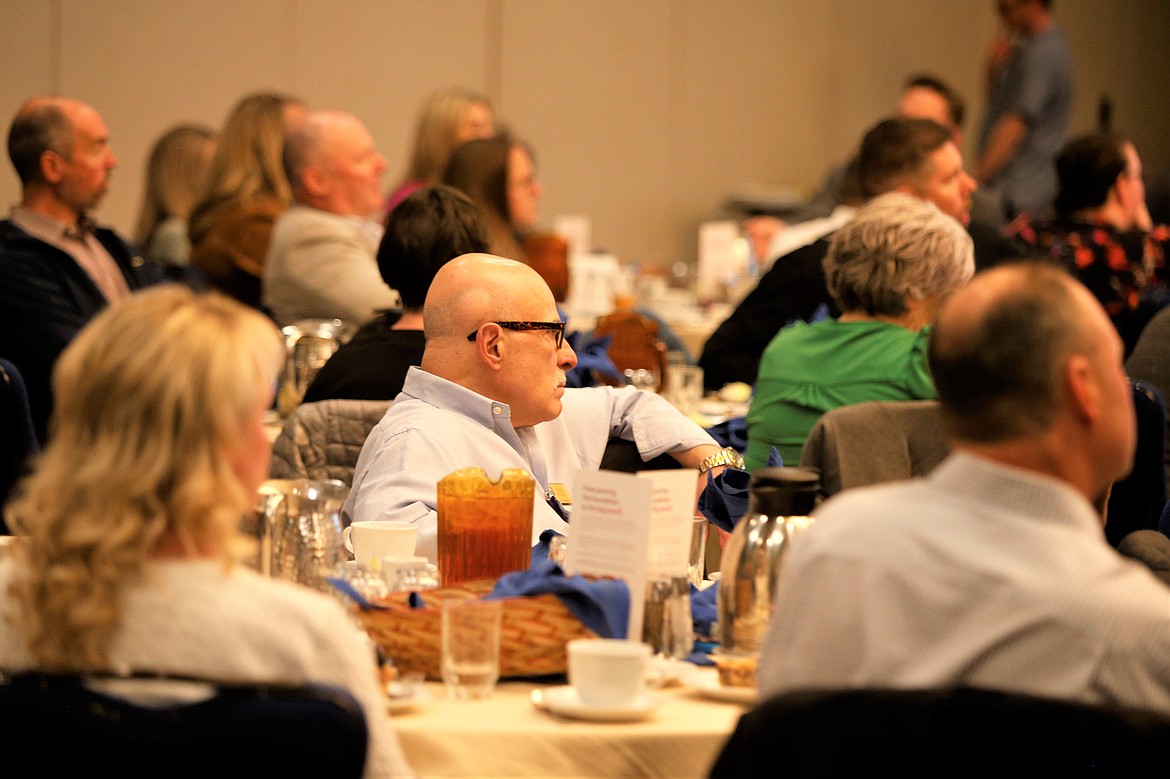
<point>724,499</point>
<point>704,610</point>
<point>602,605</point>
<point>731,432</point>
<point>592,355</point>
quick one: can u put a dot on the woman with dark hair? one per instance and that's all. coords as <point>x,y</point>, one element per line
<point>425,231</point>
<point>499,175</point>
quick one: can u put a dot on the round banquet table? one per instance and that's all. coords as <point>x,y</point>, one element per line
<point>507,736</point>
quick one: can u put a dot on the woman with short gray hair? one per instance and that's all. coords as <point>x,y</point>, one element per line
<point>888,270</point>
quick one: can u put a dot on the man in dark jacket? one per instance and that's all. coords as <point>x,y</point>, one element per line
<point>915,156</point>
<point>57,268</point>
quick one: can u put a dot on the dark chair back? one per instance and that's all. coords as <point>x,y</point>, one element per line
<point>1136,502</point>
<point>622,455</point>
<point>1150,548</point>
<point>18,440</point>
<point>75,726</point>
<point>944,732</point>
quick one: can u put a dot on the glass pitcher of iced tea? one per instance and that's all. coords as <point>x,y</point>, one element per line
<point>485,526</point>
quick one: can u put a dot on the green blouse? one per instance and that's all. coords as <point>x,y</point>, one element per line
<point>809,369</point>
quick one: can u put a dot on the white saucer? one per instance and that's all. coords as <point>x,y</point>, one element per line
<point>705,681</point>
<point>565,702</point>
<point>401,703</point>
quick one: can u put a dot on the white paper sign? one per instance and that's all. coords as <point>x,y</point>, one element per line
<point>716,253</point>
<point>633,527</point>
<point>577,230</point>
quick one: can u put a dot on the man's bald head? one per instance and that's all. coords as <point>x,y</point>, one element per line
<point>487,324</point>
<point>999,348</point>
<point>332,164</point>
<point>477,288</point>
<point>40,125</point>
<point>60,149</point>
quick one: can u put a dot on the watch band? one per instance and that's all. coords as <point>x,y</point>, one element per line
<point>725,456</point>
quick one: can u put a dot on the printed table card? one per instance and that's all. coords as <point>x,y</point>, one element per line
<point>634,527</point>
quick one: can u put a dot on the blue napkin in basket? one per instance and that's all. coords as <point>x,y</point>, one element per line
<point>602,605</point>
<point>724,499</point>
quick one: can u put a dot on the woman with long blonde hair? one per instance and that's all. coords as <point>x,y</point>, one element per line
<point>125,555</point>
<point>176,174</point>
<point>448,119</point>
<point>247,190</point>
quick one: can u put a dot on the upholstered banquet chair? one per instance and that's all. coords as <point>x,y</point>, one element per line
<point>18,440</point>
<point>322,440</point>
<point>940,732</point>
<point>70,725</point>
<point>879,441</point>
<point>635,343</point>
<point>876,441</point>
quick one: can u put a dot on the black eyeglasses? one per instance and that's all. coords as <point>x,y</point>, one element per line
<point>556,327</point>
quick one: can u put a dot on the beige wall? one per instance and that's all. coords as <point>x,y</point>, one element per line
<point>644,114</point>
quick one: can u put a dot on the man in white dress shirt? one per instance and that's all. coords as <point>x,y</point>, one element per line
<point>993,571</point>
<point>321,262</point>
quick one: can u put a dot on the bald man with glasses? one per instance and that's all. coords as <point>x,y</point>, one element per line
<point>491,393</point>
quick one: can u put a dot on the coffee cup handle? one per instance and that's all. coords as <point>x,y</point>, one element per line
<point>345,534</point>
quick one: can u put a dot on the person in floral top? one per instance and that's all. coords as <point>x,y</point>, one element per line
<point>1102,231</point>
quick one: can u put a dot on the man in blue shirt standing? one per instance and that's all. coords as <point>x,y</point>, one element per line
<point>1029,98</point>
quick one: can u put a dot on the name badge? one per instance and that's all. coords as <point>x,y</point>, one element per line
<point>561,493</point>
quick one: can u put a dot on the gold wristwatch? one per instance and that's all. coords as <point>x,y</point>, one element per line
<point>725,456</point>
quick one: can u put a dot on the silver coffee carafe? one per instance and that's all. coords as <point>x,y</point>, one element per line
<point>779,502</point>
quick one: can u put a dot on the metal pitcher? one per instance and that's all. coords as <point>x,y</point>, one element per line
<point>310,343</point>
<point>297,526</point>
<point>779,501</point>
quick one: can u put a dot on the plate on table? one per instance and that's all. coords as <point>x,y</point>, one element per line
<point>705,681</point>
<point>400,699</point>
<point>565,702</point>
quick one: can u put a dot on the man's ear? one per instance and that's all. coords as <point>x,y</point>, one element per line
<point>490,346</point>
<point>1084,389</point>
<point>52,166</point>
<point>315,180</point>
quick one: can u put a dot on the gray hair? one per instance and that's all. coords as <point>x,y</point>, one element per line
<point>897,247</point>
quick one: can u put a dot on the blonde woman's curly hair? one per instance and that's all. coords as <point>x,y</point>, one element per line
<point>152,402</point>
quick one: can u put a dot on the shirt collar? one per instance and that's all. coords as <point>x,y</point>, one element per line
<point>43,225</point>
<point>983,480</point>
<point>438,391</point>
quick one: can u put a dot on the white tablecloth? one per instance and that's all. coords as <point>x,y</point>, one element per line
<point>506,736</point>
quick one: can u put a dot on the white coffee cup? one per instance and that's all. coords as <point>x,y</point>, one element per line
<point>375,539</point>
<point>608,671</point>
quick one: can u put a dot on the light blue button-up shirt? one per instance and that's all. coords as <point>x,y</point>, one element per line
<point>435,427</point>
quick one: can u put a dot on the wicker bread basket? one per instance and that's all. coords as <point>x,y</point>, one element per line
<point>533,635</point>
